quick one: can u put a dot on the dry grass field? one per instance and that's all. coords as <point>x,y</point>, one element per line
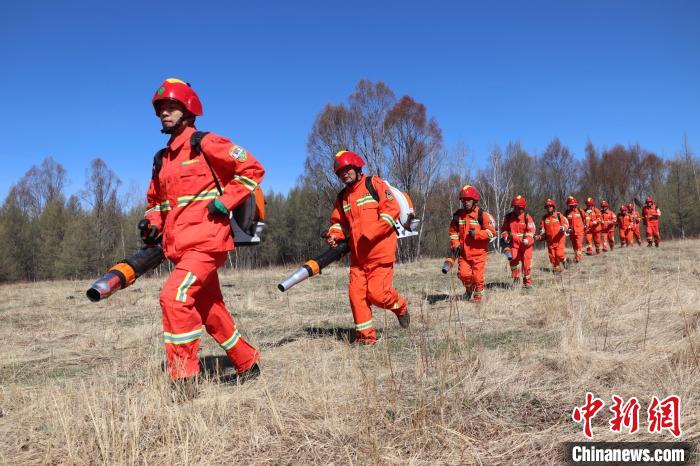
<point>82,383</point>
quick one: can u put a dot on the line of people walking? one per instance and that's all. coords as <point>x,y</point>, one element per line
<point>472,230</point>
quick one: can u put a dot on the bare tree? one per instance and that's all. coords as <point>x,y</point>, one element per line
<point>496,185</point>
<point>39,186</point>
<point>558,172</point>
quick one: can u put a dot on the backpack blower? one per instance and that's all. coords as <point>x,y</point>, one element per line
<point>406,226</point>
<point>247,223</point>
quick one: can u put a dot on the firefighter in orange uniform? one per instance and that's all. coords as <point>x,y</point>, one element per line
<point>608,226</point>
<point>553,227</point>
<point>518,231</point>
<point>624,223</point>
<point>651,214</point>
<point>365,215</point>
<point>185,207</point>
<point>578,223</point>
<point>471,230</point>
<point>636,220</point>
<point>594,227</point>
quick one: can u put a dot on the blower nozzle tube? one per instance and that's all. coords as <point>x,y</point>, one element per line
<point>125,273</point>
<point>314,266</point>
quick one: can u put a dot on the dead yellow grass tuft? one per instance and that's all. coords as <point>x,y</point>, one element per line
<point>82,383</point>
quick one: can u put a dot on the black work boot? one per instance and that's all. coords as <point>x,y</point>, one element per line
<point>251,374</point>
<point>404,319</point>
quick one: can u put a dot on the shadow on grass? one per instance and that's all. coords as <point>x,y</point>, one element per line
<point>436,298</point>
<point>339,333</point>
<point>498,286</point>
<point>218,369</point>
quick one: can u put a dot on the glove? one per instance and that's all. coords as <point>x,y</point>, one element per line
<point>538,237</point>
<point>508,254</point>
<point>569,231</point>
<point>217,208</point>
<point>472,233</point>
<point>526,242</point>
<point>561,229</point>
<point>332,241</point>
<point>149,233</point>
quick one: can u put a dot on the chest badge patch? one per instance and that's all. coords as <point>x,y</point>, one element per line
<point>238,153</point>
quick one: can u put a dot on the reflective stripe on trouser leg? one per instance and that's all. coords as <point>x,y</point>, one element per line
<point>360,305</point>
<point>218,320</point>
<point>182,324</point>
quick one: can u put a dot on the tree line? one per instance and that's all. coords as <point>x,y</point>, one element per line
<point>45,234</point>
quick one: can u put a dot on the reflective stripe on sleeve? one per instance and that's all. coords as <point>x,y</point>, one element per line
<point>245,181</point>
<point>387,218</point>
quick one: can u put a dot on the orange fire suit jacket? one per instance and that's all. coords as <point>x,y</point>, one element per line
<point>462,222</point>
<point>551,226</point>
<point>635,219</point>
<point>624,221</point>
<point>651,215</point>
<point>608,220</point>
<point>595,220</point>
<point>519,228</point>
<point>179,193</point>
<point>368,225</point>
<point>578,220</point>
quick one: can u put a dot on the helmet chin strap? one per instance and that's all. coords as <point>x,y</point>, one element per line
<point>174,129</point>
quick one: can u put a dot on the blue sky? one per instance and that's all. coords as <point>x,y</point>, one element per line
<point>77,77</point>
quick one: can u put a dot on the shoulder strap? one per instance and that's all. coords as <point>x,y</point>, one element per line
<point>196,146</point>
<point>196,141</point>
<point>157,163</point>
<point>370,188</point>
<point>480,217</point>
<point>340,199</point>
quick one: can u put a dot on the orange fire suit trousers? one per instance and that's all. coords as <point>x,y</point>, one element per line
<point>652,232</point>
<point>577,245</point>
<point>371,285</point>
<point>557,253</point>
<point>637,235</point>
<point>592,238</point>
<point>190,298</point>
<point>629,237</point>
<point>522,258</point>
<point>471,272</point>
<point>609,239</point>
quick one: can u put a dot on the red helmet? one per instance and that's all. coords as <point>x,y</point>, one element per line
<point>469,192</point>
<point>630,207</point>
<point>604,204</point>
<point>180,91</point>
<point>649,199</point>
<point>623,208</point>
<point>571,200</point>
<point>518,201</point>
<point>345,158</point>
<point>550,202</point>
<point>590,202</point>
